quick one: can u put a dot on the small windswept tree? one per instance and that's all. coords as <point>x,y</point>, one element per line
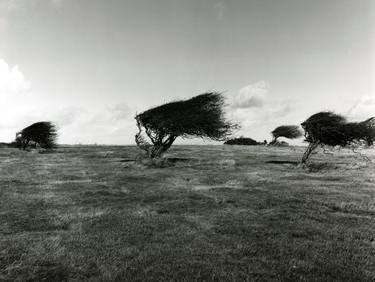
<point>330,129</point>
<point>43,133</point>
<point>287,131</point>
<point>201,116</point>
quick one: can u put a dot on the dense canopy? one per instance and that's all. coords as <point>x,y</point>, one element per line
<point>43,133</point>
<point>201,116</point>
<point>327,128</point>
<point>287,131</point>
<point>242,141</point>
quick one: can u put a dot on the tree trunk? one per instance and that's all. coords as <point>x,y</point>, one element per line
<point>25,144</point>
<point>273,142</point>
<point>308,152</point>
<point>161,141</point>
<point>158,150</point>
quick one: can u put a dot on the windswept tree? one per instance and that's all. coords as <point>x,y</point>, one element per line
<point>287,131</point>
<point>43,133</point>
<point>330,129</point>
<point>201,116</point>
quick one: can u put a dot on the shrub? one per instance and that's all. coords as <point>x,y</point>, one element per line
<point>242,141</point>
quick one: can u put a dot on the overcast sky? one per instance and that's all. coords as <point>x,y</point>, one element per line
<point>90,65</point>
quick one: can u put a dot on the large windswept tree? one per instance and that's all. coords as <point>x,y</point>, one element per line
<point>330,129</point>
<point>42,133</point>
<point>201,116</point>
<point>287,131</point>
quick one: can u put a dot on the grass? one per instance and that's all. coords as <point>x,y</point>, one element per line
<point>214,213</point>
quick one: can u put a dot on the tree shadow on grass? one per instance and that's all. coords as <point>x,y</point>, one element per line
<point>44,151</point>
<point>126,160</point>
<point>175,160</point>
<point>159,162</point>
<point>320,167</point>
<point>283,162</point>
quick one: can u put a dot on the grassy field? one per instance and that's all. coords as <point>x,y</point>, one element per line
<point>213,213</point>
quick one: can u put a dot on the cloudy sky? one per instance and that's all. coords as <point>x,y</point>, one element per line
<point>90,65</point>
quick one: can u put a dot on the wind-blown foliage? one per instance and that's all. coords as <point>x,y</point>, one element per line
<point>201,116</point>
<point>327,128</point>
<point>42,133</point>
<point>287,131</point>
<point>242,141</point>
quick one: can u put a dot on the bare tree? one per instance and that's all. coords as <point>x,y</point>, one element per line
<point>201,116</point>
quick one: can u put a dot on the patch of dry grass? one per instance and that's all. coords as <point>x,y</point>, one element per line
<point>211,213</point>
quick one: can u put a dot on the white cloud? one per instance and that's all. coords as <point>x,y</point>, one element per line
<point>12,80</point>
<point>251,96</point>
<point>363,109</point>
<point>112,125</point>
<point>3,26</point>
<point>259,113</point>
<point>14,5</point>
<point>57,3</point>
<point>103,125</point>
<point>257,123</point>
<point>272,112</point>
<point>121,111</point>
<point>220,9</point>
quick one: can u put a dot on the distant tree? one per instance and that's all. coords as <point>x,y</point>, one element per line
<point>242,141</point>
<point>330,129</point>
<point>42,133</point>
<point>201,116</point>
<point>279,144</point>
<point>287,131</point>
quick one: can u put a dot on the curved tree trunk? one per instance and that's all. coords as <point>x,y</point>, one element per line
<point>310,149</point>
<point>161,142</point>
<point>273,142</point>
<point>25,144</point>
<point>160,148</point>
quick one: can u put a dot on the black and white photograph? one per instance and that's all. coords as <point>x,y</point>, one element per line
<point>187,140</point>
